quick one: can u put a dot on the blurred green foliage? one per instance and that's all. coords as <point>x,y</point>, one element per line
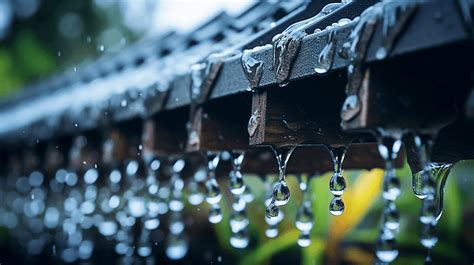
<point>35,47</point>
<point>27,60</point>
<point>357,243</point>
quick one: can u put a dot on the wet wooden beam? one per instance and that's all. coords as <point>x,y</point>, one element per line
<point>411,94</point>
<point>220,125</point>
<point>165,134</point>
<point>305,112</point>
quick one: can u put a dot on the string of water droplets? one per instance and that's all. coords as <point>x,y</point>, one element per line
<point>238,221</point>
<point>389,145</point>
<point>176,244</point>
<point>195,196</point>
<point>213,196</point>
<point>272,222</point>
<point>337,183</point>
<point>428,185</point>
<point>150,220</point>
<point>433,183</point>
<point>304,217</point>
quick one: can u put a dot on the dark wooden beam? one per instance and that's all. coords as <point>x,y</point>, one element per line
<point>220,125</point>
<point>304,113</point>
<point>410,94</point>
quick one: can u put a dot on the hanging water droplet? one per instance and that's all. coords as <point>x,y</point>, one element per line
<point>391,217</point>
<point>304,218</point>
<point>386,250</point>
<point>350,108</point>
<point>272,210</point>
<point>215,214</point>
<point>253,123</point>
<point>337,183</point>
<point>247,195</point>
<point>195,197</point>
<point>144,244</point>
<point>238,221</point>
<point>287,44</point>
<point>428,236</point>
<point>336,207</point>
<point>176,247</point>
<point>391,185</point>
<point>240,239</point>
<point>271,232</point>
<point>237,186</point>
<point>281,192</point>
<point>304,240</point>
<point>326,57</point>
<point>213,192</point>
<point>417,184</point>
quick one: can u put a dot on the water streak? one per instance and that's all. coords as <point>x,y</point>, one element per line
<point>326,57</point>
<point>395,15</point>
<point>253,68</point>
<point>286,45</point>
